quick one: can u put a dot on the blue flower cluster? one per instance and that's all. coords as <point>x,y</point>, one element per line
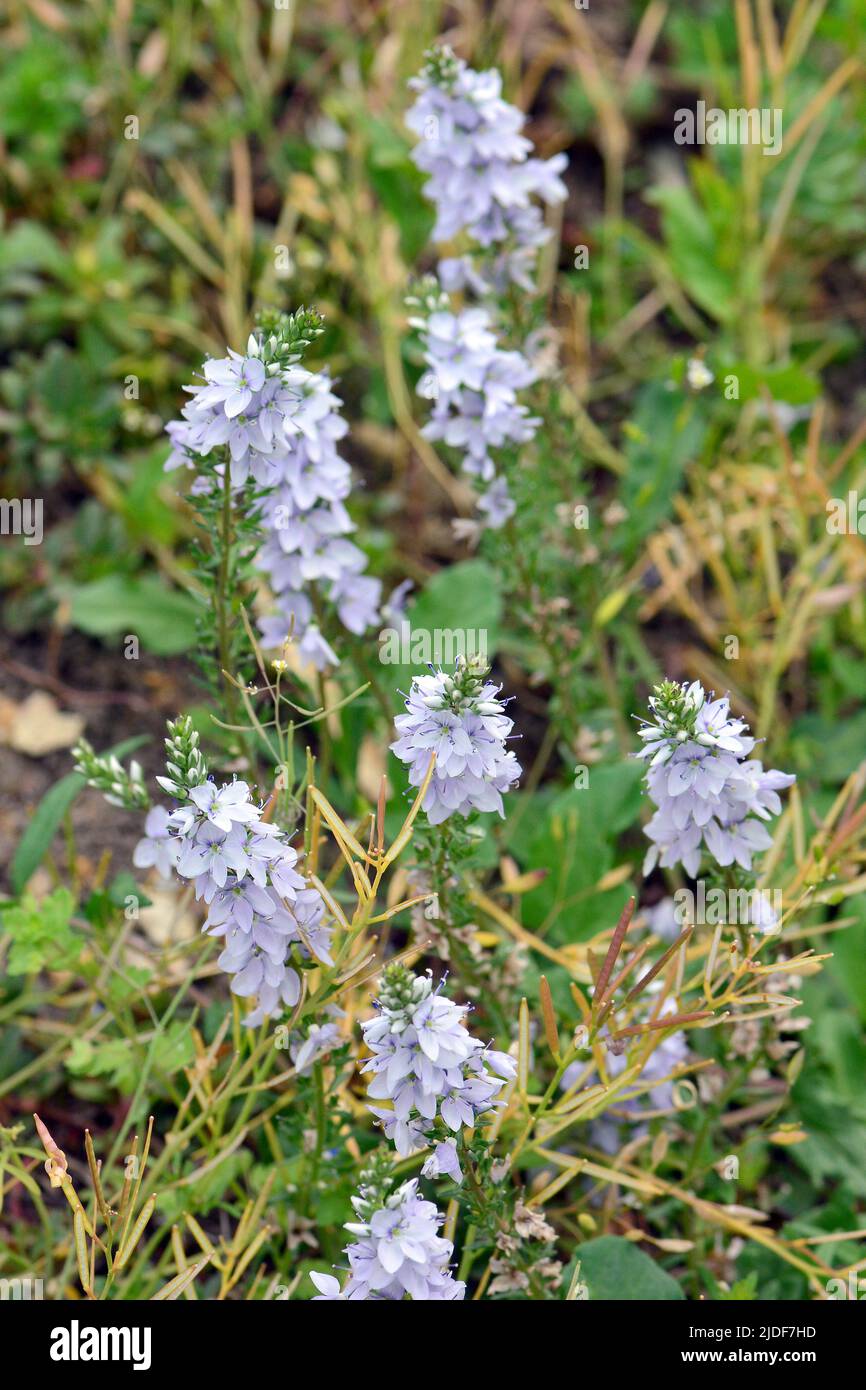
<point>461,719</point>
<point>244,868</point>
<point>485,185</point>
<point>426,1063</point>
<point>281,425</point>
<point>474,384</point>
<point>710,795</point>
<point>482,179</point>
<point>397,1253</point>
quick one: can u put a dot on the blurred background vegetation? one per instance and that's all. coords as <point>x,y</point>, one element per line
<point>169,169</point>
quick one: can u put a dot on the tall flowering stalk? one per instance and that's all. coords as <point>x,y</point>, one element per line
<point>242,867</point>
<point>429,1067</point>
<point>398,1252</point>
<point>235,417</point>
<point>487,189</point>
<point>482,180</point>
<point>492,373</point>
<point>473,384</point>
<point>461,719</point>
<point>260,434</point>
<point>711,796</point>
<point>307,525</point>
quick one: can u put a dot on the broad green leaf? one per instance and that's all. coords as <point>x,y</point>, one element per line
<point>163,619</point>
<point>613,1268</point>
<point>836,1131</point>
<point>698,256</point>
<point>571,835</point>
<point>49,814</point>
<point>43,827</point>
<point>849,955</point>
<point>28,246</point>
<point>790,383</point>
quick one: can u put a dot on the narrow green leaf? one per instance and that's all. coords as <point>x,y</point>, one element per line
<point>49,814</point>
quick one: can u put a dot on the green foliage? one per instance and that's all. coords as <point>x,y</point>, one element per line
<point>464,598</point>
<point>48,817</point>
<point>702,243</point>
<point>120,1064</point>
<point>42,934</point>
<point>123,265</point>
<point>664,436</point>
<point>614,1268</point>
<point>571,835</point>
<point>162,618</point>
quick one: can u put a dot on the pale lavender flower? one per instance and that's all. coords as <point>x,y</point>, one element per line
<point>246,871</point>
<point>224,807</point>
<point>281,429</point>
<point>443,1162</point>
<point>662,919</point>
<point>329,1289</point>
<point>474,386</point>
<point>708,793</point>
<point>394,607</point>
<point>158,848</point>
<point>456,273</point>
<point>461,719</point>
<point>735,841</point>
<point>426,1063</point>
<point>234,382</point>
<point>314,649</point>
<point>482,182</point>
<point>321,1039</point>
<point>306,522</point>
<point>212,856</point>
<point>496,505</point>
<point>397,1253</point>
<point>481,179</point>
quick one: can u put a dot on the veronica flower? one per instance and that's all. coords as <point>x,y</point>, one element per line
<point>157,849</point>
<point>329,1289</point>
<point>280,426</point>
<point>394,607</point>
<point>397,1253</point>
<point>474,386</point>
<point>225,807</point>
<point>321,1039</point>
<point>239,902</point>
<point>663,920</point>
<point>496,505</point>
<point>314,649</point>
<point>211,855</point>
<point>427,1064</point>
<point>462,721</point>
<point>483,182</point>
<point>443,1162</point>
<point>710,796</point>
<point>305,519</point>
<point>244,868</point>
<point>234,381</point>
<point>481,177</point>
